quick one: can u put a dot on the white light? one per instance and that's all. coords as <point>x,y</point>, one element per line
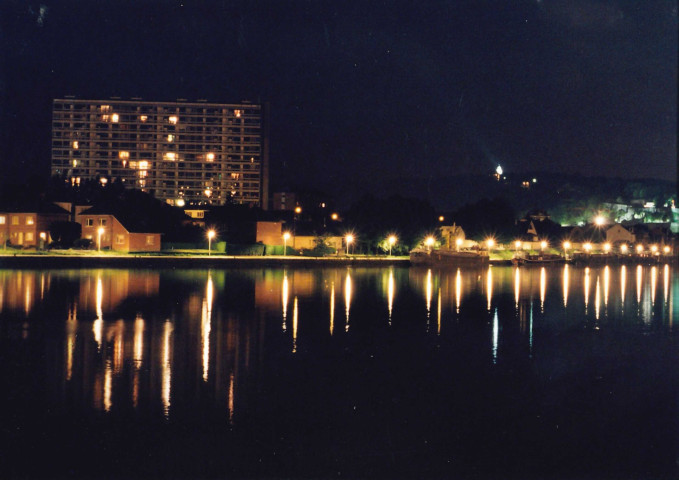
<point>498,170</point>
<point>210,157</point>
<point>172,119</point>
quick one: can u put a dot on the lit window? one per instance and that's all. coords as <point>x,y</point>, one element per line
<point>208,192</point>
<point>123,155</point>
<point>115,118</point>
<point>104,118</point>
<point>75,163</point>
<point>29,236</point>
<point>30,220</point>
<point>143,118</point>
<point>143,165</point>
<point>172,120</point>
<point>170,138</point>
<point>170,156</point>
<point>105,108</point>
<point>3,219</point>
<point>143,174</point>
<point>120,239</point>
<point>75,145</point>
<point>149,240</point>
<point>15,220</point>
<point>237,113</point>
<point>210,157</point>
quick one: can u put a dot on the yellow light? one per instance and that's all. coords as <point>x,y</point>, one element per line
<point>115,118</point>
<point>75,145</point>
<point>349,238</point>
<point>587,246</point>
<point>623,248</point>
<point>172,120</point>
<point>237,113</point>
<point>392,239</point>
<point>100,230</point>
<point>607,247</point>
<point>143,118</point>
<point>286,236</point>
<point>211,234</point>
<point>298,209</point>
<point>334,216</point>
<point>103,180</point>
<point>180,202</point>
<point>654,248</point>
<point>543,244</point>
<point>429,241</point>
<point>566,245</point>
<point>170,138</point>
<point>170,156</point>
<point>208,192</point>
<point>43,235</point>
<point>640,248</point>
<point>599,220</point>
<point>143,165</point>
<point>666,249</point>
<point>123,155</point>
<point>517,244</point>
<point>490,242</point>
<point>458,241</point>
<point>441,218</point>
<point>210,157</point>
<point>75,163</point>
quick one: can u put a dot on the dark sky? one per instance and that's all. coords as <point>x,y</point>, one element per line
<point>364,92</point>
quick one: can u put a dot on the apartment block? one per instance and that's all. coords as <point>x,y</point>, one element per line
<point>185,153</point>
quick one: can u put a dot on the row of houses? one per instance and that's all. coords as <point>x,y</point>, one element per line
<point>27,228</point>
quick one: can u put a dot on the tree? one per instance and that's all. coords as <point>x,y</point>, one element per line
<point>65,233</point>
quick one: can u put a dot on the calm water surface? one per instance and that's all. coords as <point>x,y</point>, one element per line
<point>504,372</point>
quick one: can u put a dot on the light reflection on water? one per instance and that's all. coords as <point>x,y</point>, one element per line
<point>142,338</point>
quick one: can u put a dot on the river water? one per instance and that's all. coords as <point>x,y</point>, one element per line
<point>501,372</point>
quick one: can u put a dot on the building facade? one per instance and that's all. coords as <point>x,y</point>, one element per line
<point>185,153</point>
<point>107,232</point>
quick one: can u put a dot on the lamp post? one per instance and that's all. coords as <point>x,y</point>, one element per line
<point>429,242</point>
<point>458,243</point>
<point>100,232</point>
<point>210,235</point>
<point>392,241</point>
<point>349,238</point>
<point>566,247</point>
<point>286,236</point>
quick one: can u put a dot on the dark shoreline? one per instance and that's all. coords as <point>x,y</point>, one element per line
<point>168,261</point>
<point>221,261</point>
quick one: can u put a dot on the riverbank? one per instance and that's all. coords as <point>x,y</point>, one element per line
<point>190,261</point>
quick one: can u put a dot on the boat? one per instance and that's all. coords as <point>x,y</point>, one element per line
<point>447,257</point>
<point>538,258</point>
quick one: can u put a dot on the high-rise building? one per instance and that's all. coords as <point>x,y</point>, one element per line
<point>186,153</point>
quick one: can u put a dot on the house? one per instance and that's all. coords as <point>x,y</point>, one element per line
<point>537,226</point>
<point>107,231</point>
<point>29,226</point>
<point>619,234</point>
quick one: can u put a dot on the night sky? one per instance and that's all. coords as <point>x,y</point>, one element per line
<point>363,93</point>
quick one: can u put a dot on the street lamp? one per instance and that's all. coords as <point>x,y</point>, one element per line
<point>429,242</point>
<point>640,248</point>
<point>286,237</point>
<point>588,247</point>
<point>210,235</point>
<point>654,249</point>
<point>458,243</point>
<point>623,248</point>
<point>607,247</point>
<point>100,232</point>
<point>490,243</point>
<point>599,220</point>
<point>543,245</point>
<point>392,241</point>
<point>298,209</point>
<point>517,245</point>
<point>349,239</point>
